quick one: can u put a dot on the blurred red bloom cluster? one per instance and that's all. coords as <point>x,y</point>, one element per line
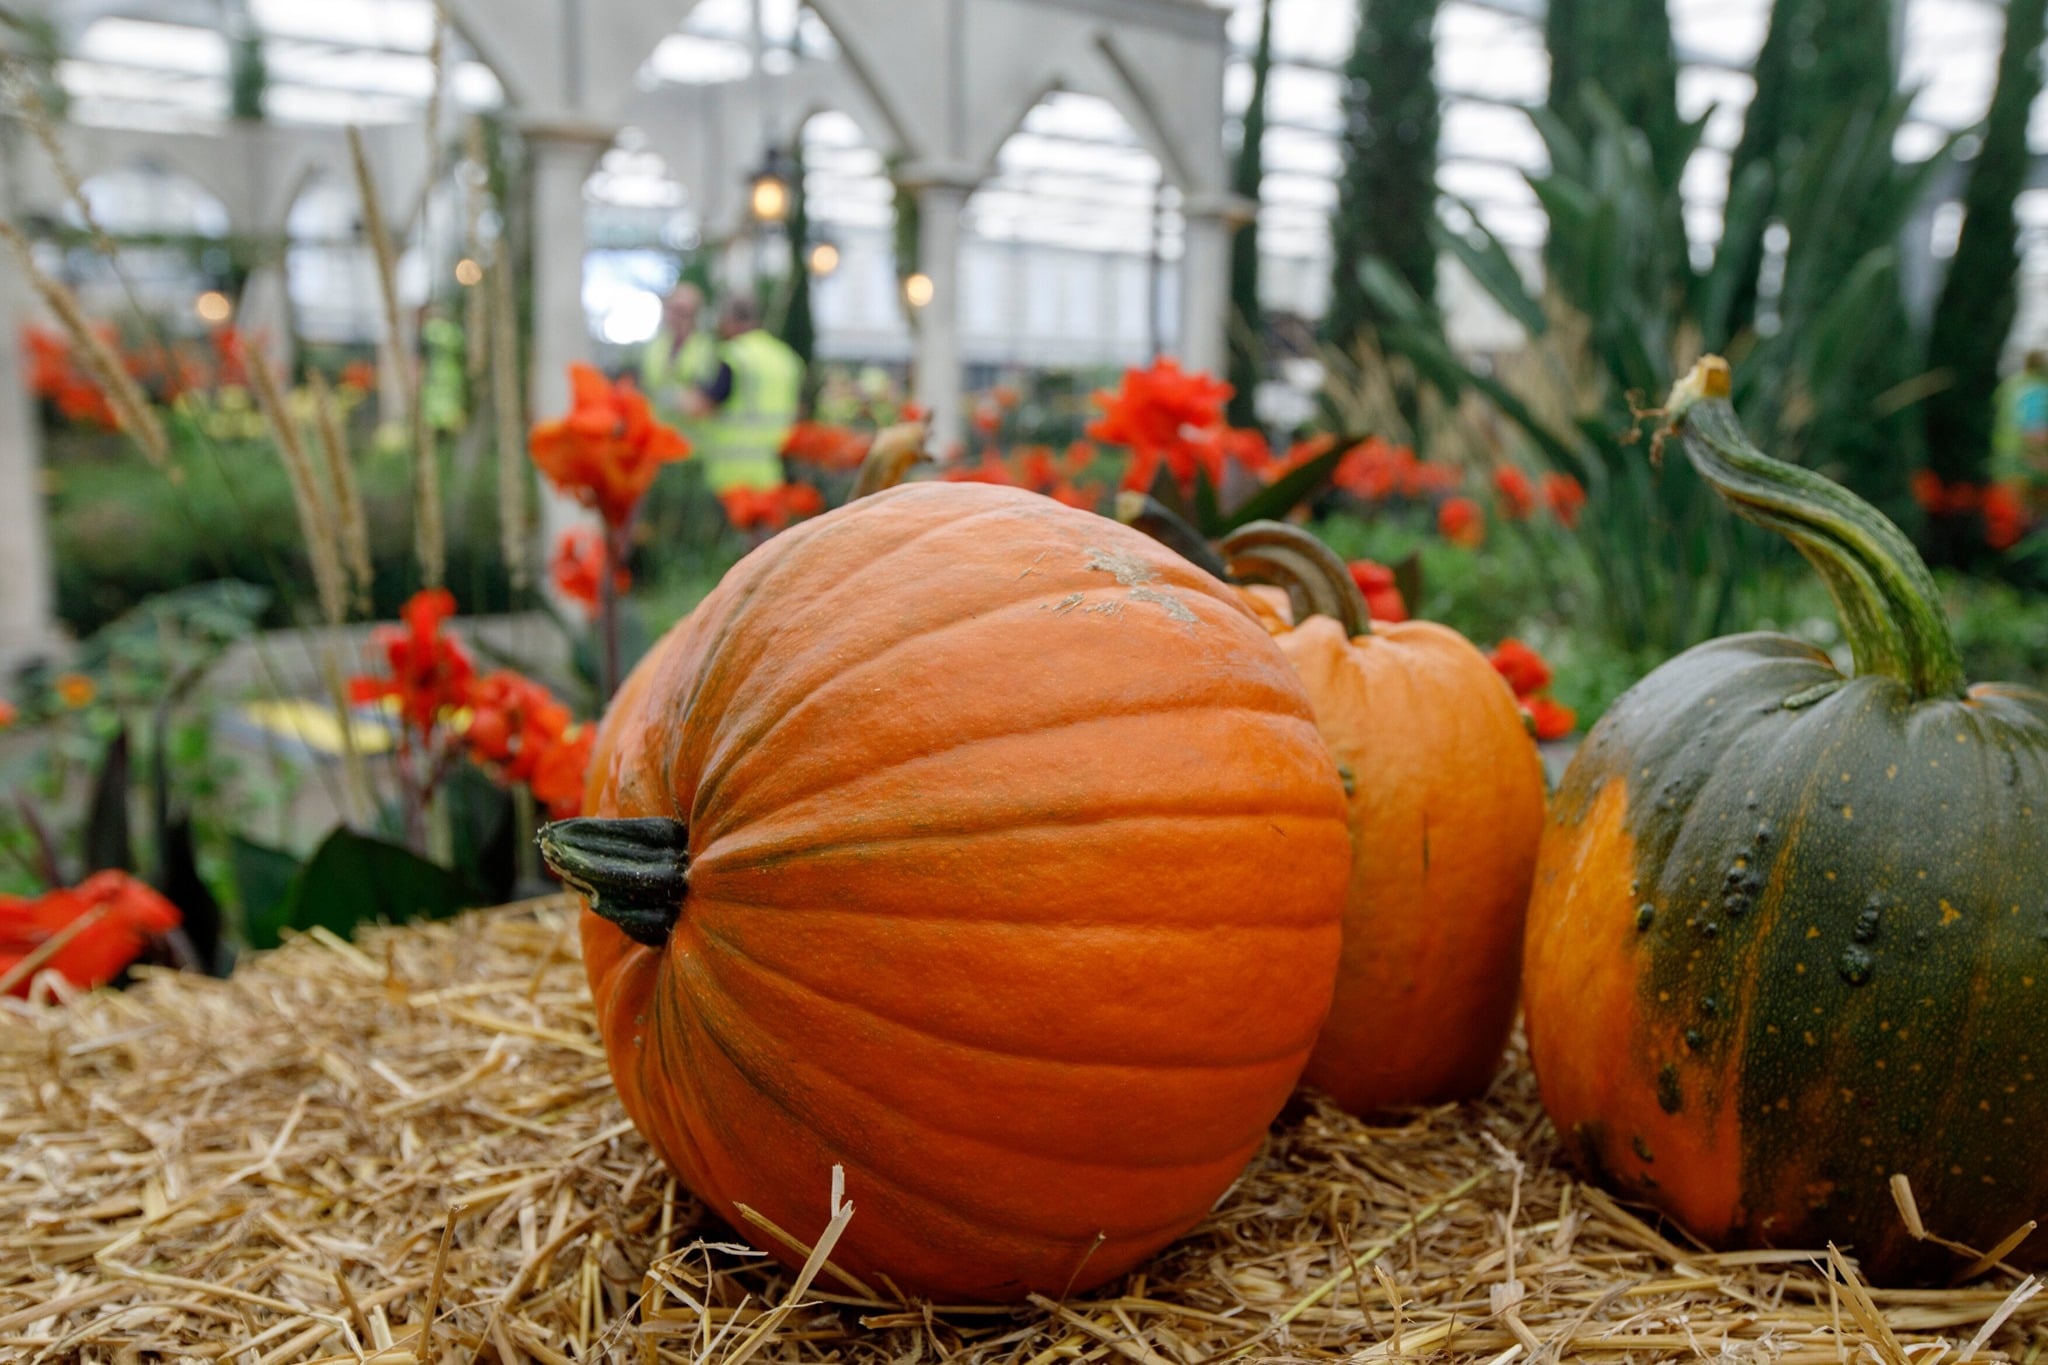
<point>577,568</point>
<point>165,371</point>
<point>1382,595</point>
<point>607,450</point>
<point>507,723</point>
<point>771,509</point>
<point>1036,467</point>
<point>1529,677</point>
<point>2003,509</point>
<point>827,446</point>
<point>1560,494</point>
<point>85,934</point>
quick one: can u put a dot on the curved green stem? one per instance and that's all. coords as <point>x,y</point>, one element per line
<point>1890,608</point>
<point>1142,512</point>
<point>635,873</point>
<point>1295,560</point>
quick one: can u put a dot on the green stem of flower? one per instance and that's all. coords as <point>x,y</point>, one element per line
<point>1888,603</point>
<point>1290,557</point>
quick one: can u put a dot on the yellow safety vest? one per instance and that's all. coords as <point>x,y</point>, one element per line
<point>741,442</point>
<point>666,367</point>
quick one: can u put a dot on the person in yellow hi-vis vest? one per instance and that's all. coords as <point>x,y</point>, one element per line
<point>747,409</point>
<point>679,359</point>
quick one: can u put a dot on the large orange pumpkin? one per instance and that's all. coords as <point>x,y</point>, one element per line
<point>1446,808</point>
<point>979,846</point>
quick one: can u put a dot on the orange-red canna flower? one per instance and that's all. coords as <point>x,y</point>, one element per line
<point>1522,666</point>
<point>826,446</point>
<point>1382,594</point>
<point>772,509</point>
<point>359,375</point>
<point>429,672</point>
<point>1550,719</point>
<point>2005,516</point>
<point>123,913</point>
<point>558,778</point>
<point>76,690</point>
<point>577,567</point>
<point>1460,521</point>
<point>513,722</point>
<point>1164,415</point>
<point>1517,493</point>
<point>8,714</point>
<point>1565,497</point>
<point>607,450</point>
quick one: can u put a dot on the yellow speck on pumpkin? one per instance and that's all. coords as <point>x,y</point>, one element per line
<point>1949,914</point>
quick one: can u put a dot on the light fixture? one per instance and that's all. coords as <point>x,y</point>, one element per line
<point>213,307</point>
<point>917,289</point>
<point>823,258</point>
<point>768,193</point>
<point>468,272</point>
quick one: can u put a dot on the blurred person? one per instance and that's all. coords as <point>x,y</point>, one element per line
<point>747,407</point>
<point>680,358</point>
<point>2019,433</point>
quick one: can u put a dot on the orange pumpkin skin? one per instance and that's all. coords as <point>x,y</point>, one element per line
<point>1016,869</point>
<point>1446,814</point>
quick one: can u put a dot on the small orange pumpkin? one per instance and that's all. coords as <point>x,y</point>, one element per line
<point>979,846</point>
<point>1446,809</point>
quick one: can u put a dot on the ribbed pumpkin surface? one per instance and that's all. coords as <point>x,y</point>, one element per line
<point>1016,872</point>
<point>1446,811</point>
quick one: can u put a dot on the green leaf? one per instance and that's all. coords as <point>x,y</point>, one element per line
<point>1482,254</point>
<point>1208,515</point>
<point>107,840</point>
<point>1284,494</point>
<point>263,879</point>
<point>353,879</point>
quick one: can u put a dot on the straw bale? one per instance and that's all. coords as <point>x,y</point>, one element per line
<point>408,1149</point>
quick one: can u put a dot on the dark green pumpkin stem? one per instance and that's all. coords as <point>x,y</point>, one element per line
<point>1142,512</point>
<point>635,873</point>
<point>1890,608</point>
<point>1291,558</point>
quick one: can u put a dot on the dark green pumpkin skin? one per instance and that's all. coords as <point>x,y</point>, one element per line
<point>1790,937</point>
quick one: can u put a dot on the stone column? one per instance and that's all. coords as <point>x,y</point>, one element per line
<point>563,155</point>
<point>26,593</point>
<point>935,366</point>
<point>1208,220</point>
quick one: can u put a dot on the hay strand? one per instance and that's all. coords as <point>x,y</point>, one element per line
<point>408,1149</point>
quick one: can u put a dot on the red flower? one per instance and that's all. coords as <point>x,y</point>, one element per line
<point>359,375</point>
<point>124,914</point>
<point>606,452</point>
<point>1517,494</point>
<point>8,714</point>
<point>773,508</point>
<point>1550,719</point>
<point>826,446</point>
<point>1382,595</point>
<point>990,470</point>
<point>1005,396</point>
<point>1564,496</point>
<point>429,672</point>
<point>988,418</point>
<point>1522,666</point>
<point>1375,469</point>
<point>1164,415</point>
<point>2005,516</point>
<point>1927,491</point>
<point>513,722</point>
<point>558,777</point>
<point>578,564</point>
<point>1461,522</point>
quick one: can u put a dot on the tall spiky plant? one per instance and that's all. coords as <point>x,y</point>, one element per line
<point>1247,319</point>
<point>1979,297</point>
<point>1386,194</point>
<point>1624,48</point>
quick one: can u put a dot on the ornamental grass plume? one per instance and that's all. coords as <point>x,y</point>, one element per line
<point>318,520</point>
<point>131,407</point>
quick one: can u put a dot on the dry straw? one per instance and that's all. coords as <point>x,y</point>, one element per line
<point>409,1149</point>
